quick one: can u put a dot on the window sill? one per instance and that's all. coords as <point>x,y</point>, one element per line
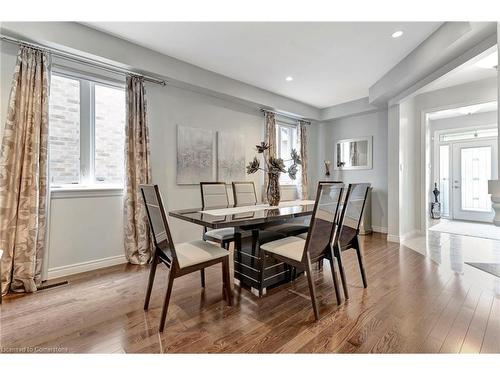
<point>85,192</point>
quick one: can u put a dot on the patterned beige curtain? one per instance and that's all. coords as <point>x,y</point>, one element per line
<point>138,171</point>
<point>270,139</point>
<point>23,174</point>
<point>303,193</point>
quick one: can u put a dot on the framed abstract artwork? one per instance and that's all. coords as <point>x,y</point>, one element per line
<point>230,157</point>
<point>195,155</point>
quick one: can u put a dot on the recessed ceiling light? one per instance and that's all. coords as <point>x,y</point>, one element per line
<point>289,79</point>
<point>489,62</point>
<point>397,34</point>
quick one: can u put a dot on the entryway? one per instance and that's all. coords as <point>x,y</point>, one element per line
<point>465,159</point>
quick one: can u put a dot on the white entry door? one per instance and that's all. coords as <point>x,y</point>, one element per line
<point>474,163</point>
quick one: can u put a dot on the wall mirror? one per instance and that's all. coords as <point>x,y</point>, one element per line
<point>354,153</point>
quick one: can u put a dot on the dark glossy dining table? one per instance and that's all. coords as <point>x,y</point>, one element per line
<point>252,228</point>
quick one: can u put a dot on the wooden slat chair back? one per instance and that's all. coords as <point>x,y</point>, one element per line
<point>322,227</point>
<point>347,236</point>
<point>162,238</point>
<point>356,205</point>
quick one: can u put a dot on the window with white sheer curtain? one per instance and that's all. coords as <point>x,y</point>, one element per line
<point>286,140</point>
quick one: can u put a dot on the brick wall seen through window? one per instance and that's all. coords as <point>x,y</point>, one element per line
<point>86,132</point>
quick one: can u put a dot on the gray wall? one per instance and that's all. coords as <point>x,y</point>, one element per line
<point>372,124</point>
<point>8,55</point>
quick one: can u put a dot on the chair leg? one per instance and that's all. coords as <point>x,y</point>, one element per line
<point>227,280</point>
<point>202,275</point>
<point>361,263</point>
<point>171,277</point>
<point>312,290</point>
<point>338,255</point>
<point>331,258</point>
<point>152,273</point>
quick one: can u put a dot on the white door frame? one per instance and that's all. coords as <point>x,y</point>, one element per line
<point>436,173</point>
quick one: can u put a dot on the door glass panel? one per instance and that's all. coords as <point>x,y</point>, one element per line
<point>475,173</point>
<point>444,179</point>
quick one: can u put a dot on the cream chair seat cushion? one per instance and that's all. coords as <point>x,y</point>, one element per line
<point>303,236</point>
<point>196,252</point>
<point>221,234</point>
<point>289,247</point>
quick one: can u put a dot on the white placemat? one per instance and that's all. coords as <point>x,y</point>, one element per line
<point>259,207</point>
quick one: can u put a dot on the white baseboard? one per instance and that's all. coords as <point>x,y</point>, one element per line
<point>393,238</point>
<point>379,229</point>
<point>72,269</point>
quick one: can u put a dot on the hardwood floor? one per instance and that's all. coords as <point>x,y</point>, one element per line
<point>413,304</point>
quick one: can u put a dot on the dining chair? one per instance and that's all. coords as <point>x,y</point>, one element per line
<point>214,195</point>
<point>348,230</point>
<point>244,193</point>
<point>296,226</point>
<point>301,253</point>
<point>182,258</point>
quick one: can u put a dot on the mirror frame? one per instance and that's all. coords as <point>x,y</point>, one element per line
<point>369,156</point>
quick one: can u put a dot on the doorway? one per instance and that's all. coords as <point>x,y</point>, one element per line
<point>467,159</point>
<point>474,163</point>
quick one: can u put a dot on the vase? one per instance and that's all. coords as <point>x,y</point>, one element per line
<point>273,189</point>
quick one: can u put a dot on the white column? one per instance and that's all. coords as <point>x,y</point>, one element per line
<point>393,167</point>
<point>494,185</point>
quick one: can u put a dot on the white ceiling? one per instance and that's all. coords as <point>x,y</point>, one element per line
<point>467,72</point>
<point>331,62</point>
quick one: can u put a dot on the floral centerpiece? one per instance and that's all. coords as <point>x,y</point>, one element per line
<point>274,167</point>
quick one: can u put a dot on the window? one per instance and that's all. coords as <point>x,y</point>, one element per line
<point>469,134</point>
<point>286,140</point>
<point>86,132</point>
<point>444,179</point>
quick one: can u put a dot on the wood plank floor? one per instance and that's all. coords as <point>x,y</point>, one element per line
<point>412,305</point>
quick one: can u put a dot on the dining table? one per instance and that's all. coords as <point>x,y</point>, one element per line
<point>253,226</point>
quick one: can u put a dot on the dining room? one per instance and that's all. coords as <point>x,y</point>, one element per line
<point>202,192</point>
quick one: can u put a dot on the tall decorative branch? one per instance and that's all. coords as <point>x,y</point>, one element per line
<point>273,165</point>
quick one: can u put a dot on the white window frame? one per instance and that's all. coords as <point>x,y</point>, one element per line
<point>279,125</point>
<point>87,186</point>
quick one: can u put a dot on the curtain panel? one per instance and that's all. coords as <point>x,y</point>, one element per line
<point>270,139</point>
<point>138,248</point>
<point>23,173</point>
<point>303,183</point>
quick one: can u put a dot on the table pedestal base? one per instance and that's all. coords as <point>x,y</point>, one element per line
<point>247,260</point>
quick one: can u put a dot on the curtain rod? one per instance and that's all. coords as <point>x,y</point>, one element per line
<point>83,60</point>
<point>287,116</point>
